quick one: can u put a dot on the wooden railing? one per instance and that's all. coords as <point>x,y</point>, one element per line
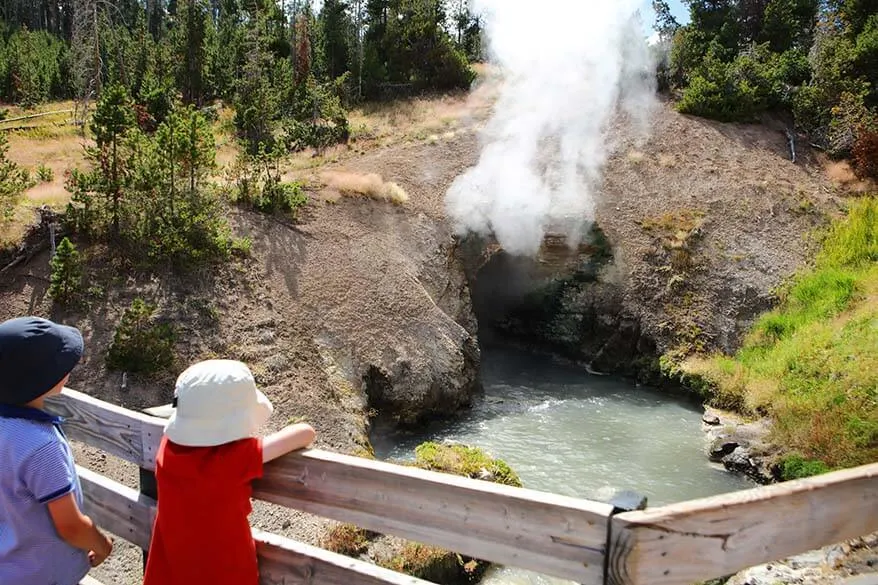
<point>588,542</point>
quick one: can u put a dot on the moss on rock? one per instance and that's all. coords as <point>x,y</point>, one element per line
<point>465,461</point>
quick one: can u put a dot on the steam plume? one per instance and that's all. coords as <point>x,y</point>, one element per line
<point>568,67</point>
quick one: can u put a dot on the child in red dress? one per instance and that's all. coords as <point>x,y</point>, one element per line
<point>204,466</point>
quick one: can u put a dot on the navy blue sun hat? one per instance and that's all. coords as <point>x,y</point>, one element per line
<point>35,354</point>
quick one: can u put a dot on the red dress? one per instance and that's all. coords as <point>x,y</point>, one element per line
<point>201,532</point>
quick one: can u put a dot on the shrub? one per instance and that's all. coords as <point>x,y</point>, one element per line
<point>66,278</point>
<point>430,563</point>
<point>13,182</point>
<point>318,120</point>
<point>865,153</point>
<point>346,539</point>
<point>797,467</point>
<point>258,184</point>
<point>139,343</point>
<point>848,115</point>
<point>45,174</point>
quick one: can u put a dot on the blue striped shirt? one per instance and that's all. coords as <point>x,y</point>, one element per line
<point>36,467</point>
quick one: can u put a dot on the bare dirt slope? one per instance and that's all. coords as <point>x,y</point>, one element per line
<point>708,219</point>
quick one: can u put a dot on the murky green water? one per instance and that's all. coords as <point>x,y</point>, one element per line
<point>571,433</point>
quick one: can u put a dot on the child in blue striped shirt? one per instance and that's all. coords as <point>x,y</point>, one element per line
<point>44,537</point>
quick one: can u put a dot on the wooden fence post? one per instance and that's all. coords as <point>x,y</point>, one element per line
<point>622,501</point>
<point>149,488</point>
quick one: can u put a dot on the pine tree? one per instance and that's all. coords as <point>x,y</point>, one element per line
<point>190,47</point>
<point>13,181</point>
<point>66,279</point>
<point>113,118</point>
<point>336,26</point>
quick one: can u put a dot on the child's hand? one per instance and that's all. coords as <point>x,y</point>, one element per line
<point>95,558</point>
<point>290,438</point>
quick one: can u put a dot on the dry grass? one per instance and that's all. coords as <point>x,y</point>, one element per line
<point>422,561</point>
<point>841,173</point>
<point>667,161</point>
<point>676,231</point>
<point>636,157</point>
<point>346,539</point>
<point>58,148</point>
<point>56,125</point>
<point>365,185</point>
<point>429,118</point>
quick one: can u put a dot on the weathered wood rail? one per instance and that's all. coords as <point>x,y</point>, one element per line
<point>571,538</point>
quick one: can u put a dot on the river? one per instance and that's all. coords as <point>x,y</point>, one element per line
<point>568,432</point>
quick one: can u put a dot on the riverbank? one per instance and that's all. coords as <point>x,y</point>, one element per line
<point>810,366</point>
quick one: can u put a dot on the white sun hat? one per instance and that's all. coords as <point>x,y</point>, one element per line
<point>216,402</point>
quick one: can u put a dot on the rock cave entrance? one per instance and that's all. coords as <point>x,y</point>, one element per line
<point>565,301</point>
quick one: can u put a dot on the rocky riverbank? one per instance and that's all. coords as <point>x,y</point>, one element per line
<point>853,562</point>
<point>742,446</point>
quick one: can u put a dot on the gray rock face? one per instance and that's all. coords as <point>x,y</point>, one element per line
<point>401,340</point>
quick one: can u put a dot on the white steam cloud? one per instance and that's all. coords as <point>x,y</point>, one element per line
<point>568,67</point>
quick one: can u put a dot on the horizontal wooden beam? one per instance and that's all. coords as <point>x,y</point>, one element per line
<point>556,535</point>
<point>121,432</point>
<point>117,508</point>
<point>127,514</point>
<point>701,539</point>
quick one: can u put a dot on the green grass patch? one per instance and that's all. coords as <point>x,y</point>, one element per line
<point>467,461</point>
<point>797,467</point>
<point>812,363</point>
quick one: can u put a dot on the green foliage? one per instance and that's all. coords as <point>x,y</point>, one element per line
<point>335,38</point>
<point>140,344</point>
<point>189,47</point>
<point>33,67</point>
<point>258,184</point>
<point>45,174</point>
<point>407,47</point>
<point>753,82</point>
<point>174,212</point>
<point>817,60</point>
<point>203,49</point>
<point>812,363</point>
<point>257,104</point>
<point>66,278</point>
<point>318,119</point>
<point>155,100</point>
<point>96,205</point>
<point>151,194</point>
<point>466,461</point>
<point>797,467</point>
<point>13,182</point>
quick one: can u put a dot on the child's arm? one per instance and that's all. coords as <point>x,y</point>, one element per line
<point>78,530</point>
<point>287,439</point>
